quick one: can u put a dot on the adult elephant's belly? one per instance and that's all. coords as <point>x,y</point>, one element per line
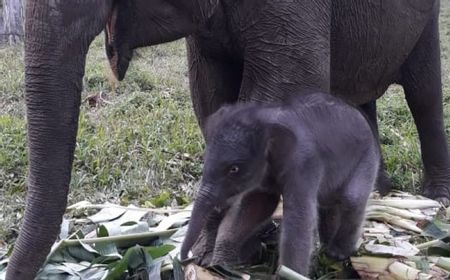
<point>370,42</point>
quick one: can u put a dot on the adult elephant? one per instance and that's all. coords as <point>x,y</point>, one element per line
<point>238,50</point>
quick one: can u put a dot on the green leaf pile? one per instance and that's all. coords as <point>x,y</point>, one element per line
<point>115,243</point>
<point>404,237</point>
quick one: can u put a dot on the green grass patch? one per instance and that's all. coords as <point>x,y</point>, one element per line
<point>139,143</point>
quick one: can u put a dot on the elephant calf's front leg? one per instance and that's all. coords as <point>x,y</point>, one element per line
<point>240,223</point>
<point>299,223</point>
<point>203,248</point>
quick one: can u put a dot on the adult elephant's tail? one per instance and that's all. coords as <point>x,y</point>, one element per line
<point>58,34</point>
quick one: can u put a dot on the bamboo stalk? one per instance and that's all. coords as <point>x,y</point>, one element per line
<point>194,272</point>
<point>428,244</point>
<point>388,218</point>
<point>406,203</point>
<point>289,274</point>
<point>443,263</point>
<point>102,206</point>
<point>402,271</point>
<point>396,211</point>
<point>118,238</point>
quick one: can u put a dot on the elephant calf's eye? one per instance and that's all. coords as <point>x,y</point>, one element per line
<point>234,169</point>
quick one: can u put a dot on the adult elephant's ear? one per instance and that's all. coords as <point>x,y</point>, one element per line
<point>118,34</point>
<point>140,23</point>
<point>203,9</point>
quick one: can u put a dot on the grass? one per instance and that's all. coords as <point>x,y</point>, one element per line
<point>141,143</point>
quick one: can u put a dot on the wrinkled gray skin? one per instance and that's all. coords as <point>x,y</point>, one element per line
<point>319,153</point>
<point>249,253</point>
<point>237,50</point>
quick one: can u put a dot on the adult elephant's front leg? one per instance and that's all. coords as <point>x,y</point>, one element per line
<point>421,79</point>
<point>213,81</point>
<point>384,183</point>
<point>58,34</point>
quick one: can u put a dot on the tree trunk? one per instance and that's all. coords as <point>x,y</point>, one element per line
<point>12,30</point>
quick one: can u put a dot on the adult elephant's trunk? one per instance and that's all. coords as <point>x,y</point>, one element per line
<point>58,34</point>
<point>203,207</point>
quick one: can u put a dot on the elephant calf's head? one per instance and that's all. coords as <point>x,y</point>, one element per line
<point>236,152</point>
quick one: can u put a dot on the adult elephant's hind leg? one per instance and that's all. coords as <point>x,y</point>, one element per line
<point>213,81</point>
<point>421,79</point>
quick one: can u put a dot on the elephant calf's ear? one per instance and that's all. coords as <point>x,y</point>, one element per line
<point>280,142</point>
<point>213,121</point>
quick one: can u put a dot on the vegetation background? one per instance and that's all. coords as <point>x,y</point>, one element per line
<point>138,141</point>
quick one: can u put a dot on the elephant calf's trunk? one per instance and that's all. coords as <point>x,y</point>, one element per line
<point>203,206</point>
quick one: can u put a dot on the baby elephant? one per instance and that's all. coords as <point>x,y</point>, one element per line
<point>316,151</point>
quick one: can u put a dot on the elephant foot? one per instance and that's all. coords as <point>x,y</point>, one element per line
<point>203,248</point>
<point>226,254</point>
<point>225,262</point>
<point>440,193</point>
<point>338,254</point>
<point>384,183</point>
<point>203,254</point>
